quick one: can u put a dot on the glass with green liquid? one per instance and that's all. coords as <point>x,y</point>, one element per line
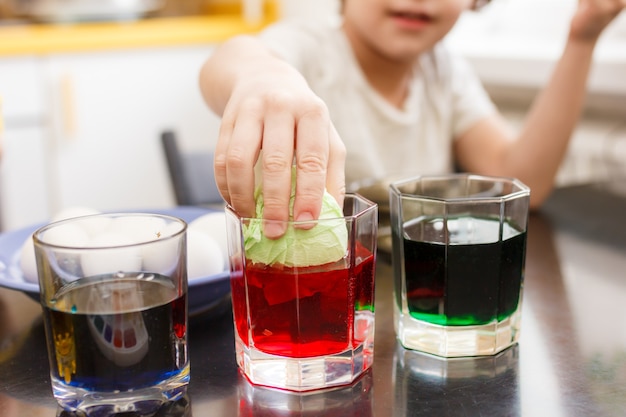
<point>459,246</point>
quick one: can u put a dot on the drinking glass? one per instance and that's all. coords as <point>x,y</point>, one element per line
<point>459,247</point>
<point>302,326</point>
<point>114,295</point>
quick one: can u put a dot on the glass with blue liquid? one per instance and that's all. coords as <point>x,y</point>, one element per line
<point>114,296</point>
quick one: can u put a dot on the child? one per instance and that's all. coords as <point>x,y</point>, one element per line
<point>378,96</point>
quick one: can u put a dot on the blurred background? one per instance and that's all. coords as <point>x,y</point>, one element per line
<point>88,86</point>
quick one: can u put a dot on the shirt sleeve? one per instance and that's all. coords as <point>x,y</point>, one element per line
<point>471,102</point>
<point>291,41</point>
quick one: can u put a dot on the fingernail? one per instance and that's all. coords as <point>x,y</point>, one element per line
<point>273,230</point>
<point>305,217</point>
<point>305,220</point>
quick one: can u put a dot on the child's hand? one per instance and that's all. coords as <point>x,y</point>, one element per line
<point>272,109</point>
<point>592,16</point>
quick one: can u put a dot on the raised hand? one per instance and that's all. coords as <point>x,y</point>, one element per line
<point>592,17</point>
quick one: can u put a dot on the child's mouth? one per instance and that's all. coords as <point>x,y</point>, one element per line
<point>413,19</point>
<point>413,16</point>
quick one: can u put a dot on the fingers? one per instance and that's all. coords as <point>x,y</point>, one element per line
<point>220,158</point>
<point>335,177</point>
<point>236,153</point>
<point>284,126</point>
<point>312,155</point>
<point>277,159</point>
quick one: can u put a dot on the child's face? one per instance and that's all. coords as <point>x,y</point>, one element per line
<point>400,29</point>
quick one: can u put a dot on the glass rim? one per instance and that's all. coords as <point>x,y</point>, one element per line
<point>39,240</point>
<point>523,189</point>
<point>370,206</point>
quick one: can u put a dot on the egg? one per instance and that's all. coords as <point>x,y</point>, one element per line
<point>204,256</point>
<point>65,235</point>
<point>214,225</point>
<point>94,226</point>
<point>207,249</point>
<point>105,261</point>
<point>73,211</point>
<point>28,263</point>
<point>162,256</point>
<point>138,228</point>
<point>69,234</point>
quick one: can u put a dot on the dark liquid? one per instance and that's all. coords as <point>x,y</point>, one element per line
<point>466,282</point>
<point>303,312</point>
<point>107,337</point>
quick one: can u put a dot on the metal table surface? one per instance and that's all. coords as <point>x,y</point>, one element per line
<point>570,361</point>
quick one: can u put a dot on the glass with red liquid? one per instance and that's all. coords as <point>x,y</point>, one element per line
<point>306,327</point>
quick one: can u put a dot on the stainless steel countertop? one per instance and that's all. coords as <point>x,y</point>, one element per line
<point>570,361</point>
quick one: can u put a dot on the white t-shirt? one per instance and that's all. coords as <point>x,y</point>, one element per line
<point>446,98</point>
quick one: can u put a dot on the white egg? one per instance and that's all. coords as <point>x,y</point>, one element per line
<point>71,212</point>
<point>138,228</point>
<point>106,261</point>
<point>173,228</point>
<point>94,226</point>
<point>70,234</point>
<point>110,239</point>
<point>66,235</point>
<point>204,256</point>
<point>214,225</point>
<point>28,263</point>
<point>161,256</point>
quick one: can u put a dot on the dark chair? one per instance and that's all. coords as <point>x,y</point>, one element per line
<point>191,174</point>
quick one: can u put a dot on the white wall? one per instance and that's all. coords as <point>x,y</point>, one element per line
<point>309,9</point>
<point>516,42</point>
<point>537,19</point>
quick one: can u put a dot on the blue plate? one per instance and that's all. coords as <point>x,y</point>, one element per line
<point>205,293</point>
